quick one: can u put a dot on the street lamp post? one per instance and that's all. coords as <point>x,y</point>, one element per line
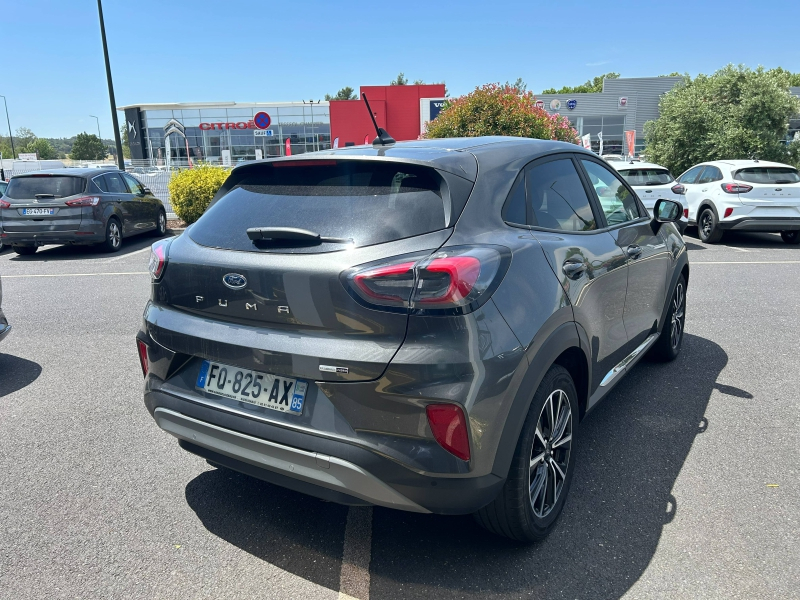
<point>120,158</point>
<point>11,137</point>
<point>98,127</point>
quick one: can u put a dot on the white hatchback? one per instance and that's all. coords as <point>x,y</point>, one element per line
<point>743,195</point>
<point>652,182</point>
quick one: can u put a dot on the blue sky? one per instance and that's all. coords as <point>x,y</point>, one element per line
<point>202,50</point>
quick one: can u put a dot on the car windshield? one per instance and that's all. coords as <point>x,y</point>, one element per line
<point>368,202</point>
<point>650,176</point>
<point>770,175</point>
<point>29,187</point>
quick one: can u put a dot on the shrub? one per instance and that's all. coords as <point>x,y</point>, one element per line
<point>495,109</point>
<point>191,190</point>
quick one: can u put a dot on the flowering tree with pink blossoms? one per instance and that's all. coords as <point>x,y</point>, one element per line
<point>496,109</point>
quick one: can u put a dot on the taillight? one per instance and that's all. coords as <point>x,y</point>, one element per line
<point>158,258</point>
<point>143,356</point>
<point>4,204</point>
<point>685,213</point>
<point>84,201</point>
<point>454,280</point>
<point>728,213</point>
<point>449,427</point>
<point>736,188</point>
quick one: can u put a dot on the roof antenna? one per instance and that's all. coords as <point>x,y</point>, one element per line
<point>383,139</point>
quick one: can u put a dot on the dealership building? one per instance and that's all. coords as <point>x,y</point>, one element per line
<point>230,132</point>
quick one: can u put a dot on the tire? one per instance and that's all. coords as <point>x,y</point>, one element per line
<point>518,512</point>
<point>668,345</point>
<point>790,237</point>
<point>708,227</point>
<point>161,228</point>
<point>25,250</point>
<point>113,241</point>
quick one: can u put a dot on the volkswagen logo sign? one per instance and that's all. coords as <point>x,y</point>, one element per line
<point>235,281</point>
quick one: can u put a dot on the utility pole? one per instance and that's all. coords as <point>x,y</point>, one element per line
<point>120,158</point>
<point>11,137</point>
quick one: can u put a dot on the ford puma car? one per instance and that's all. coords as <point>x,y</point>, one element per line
<point>419,325</point>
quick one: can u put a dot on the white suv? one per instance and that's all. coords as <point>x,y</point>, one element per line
<point>745,195</point>
<point>652,182</point>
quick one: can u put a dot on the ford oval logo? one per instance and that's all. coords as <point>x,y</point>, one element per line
<point>235,281</point>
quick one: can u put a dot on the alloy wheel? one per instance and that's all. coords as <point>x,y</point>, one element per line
<point>678,315</point>
<point>706,224</point>
<point>162,223</point>
<point>549,459</point>
<point>114,235</point>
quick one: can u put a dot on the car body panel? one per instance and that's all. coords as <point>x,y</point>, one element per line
<point>5,328</point>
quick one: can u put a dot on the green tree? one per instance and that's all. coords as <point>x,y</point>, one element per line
<point>593,86</point>
<point>43,149</point>
<point>23,137</point>
<point>126,149</point>
<point>401,80</point>
<point>346,93</point>
<point>520,85</point>
<point>88,146</point>
<point>5,147</point>
<point>735,113</point>
<point>496,109</point>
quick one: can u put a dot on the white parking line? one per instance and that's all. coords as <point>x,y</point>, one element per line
<point>116,258</point>
<point>745,262</point>
<point>356,554</point>
<point>74,275</point>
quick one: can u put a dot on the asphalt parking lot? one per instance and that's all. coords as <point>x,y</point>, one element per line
<point>687,481</point>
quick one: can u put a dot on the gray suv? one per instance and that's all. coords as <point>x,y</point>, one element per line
<point>77,206</point>
<point>420,326</point>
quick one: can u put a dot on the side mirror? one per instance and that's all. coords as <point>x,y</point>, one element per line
<point>667,211</point>
<point>147,190</point>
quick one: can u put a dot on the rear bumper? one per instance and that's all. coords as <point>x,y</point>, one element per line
<point>331,469</point>
<point>764,224</point>
<point>13,238</point>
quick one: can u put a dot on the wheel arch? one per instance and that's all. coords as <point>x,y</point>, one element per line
<point>563,347</point>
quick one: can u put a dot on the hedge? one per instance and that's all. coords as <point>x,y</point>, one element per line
<point>191,190</point>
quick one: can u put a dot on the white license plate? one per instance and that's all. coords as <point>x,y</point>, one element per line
<point>38,211</point>
<point>260,389</point>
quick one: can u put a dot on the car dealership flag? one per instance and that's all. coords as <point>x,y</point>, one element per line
<point>600,137</point>
<point>366,140</point>
<point>336,142</point>
<point>630,137</point>
<point>587,141</point>
<point>288,146</point>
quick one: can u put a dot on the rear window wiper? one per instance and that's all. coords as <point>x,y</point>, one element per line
<point>291,235</point>
<point>45,196</point>
<point>654,183</point>
<point>782,181</point>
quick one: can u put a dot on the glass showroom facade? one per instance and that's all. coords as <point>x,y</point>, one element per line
<point>225,133</point>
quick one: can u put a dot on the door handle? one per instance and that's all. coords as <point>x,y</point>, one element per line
<point>573,269</point>
<point>634,251</point>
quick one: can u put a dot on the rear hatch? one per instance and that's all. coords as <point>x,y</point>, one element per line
<point>772,187</point>
<point>38,203</point>
<point>285,306</point>
<point>650,184</point>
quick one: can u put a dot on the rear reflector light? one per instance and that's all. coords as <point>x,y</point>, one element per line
<point>143,356</point>
<point>449,428</point>
<point>736,188</point>
<point>4,204</point>
<point>685,213</point>
<point>84,201</point>
<point>678,189</point>
<point>455,280</point>
<point>158,258</point>
<point>728,213</point>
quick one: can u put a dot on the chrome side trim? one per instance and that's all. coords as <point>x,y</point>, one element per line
<point>312,467</point>
<point>620,368</point>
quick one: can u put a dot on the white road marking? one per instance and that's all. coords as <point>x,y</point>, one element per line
<point>356,554</point>
<point>116,258</point>
<point>74,275</point>
<point>745,262</point>
<point>737,249</point>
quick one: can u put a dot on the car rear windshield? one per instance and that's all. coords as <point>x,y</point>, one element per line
<point>44,187</point>
<point>368,202</point>
<point>646,176</point>
<point>768,175</point>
